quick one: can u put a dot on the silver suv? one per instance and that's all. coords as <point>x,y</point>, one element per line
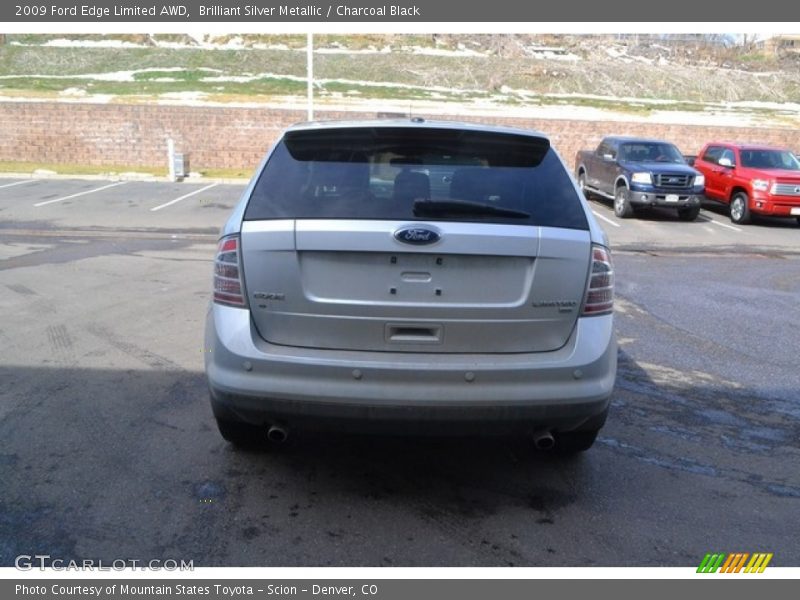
<point>412,276</point>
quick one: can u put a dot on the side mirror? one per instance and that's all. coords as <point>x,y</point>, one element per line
<point>725,162</point>
<point>608,157</point>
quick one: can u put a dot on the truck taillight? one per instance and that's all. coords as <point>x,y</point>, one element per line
<point>228,285</point>
<point>600,291</point>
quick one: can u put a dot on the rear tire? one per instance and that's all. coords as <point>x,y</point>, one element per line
<point>242,435</point>
<point>689,214</point>
<point>798,220</point>
<point>582,184</point>
<point>622,203</point>
<point>573,442</point>
<point>740,208</point>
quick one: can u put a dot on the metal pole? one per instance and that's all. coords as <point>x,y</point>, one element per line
<point>171,159</point>
<point>310,74</point>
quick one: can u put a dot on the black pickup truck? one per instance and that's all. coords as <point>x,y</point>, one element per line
<point>638,172</point>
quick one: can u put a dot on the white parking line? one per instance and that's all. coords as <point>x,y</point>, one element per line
<point>100,189</point>
<point>606,219</point>
<point>710,220</point>
<point>171,202</point>
<point>727,226</point>
<point>17,183</point>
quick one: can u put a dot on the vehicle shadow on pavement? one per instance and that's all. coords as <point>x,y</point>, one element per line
<point>651,213</point>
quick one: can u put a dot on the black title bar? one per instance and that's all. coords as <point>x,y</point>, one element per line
<point>390,589</point>
<point>419,11</point>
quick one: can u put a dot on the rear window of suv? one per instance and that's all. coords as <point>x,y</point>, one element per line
<point>429,174</point>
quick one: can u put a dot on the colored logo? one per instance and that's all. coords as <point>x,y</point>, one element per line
<point>735,563</point>
<point>416,235</point>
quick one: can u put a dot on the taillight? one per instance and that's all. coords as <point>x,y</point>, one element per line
<point>600,291</point>
<point>228,285</point>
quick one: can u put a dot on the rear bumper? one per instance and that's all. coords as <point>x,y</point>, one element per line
<point>259,383</point>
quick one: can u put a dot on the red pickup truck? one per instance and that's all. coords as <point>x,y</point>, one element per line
<point>752,179</point>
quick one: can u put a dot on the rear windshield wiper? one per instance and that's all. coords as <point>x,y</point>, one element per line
<point>463,207</point>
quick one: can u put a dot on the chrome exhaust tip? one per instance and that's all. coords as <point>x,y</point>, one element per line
<point>277,434</point>
<point>544,440</point>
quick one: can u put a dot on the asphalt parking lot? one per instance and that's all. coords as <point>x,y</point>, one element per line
<point>200,208</point>
<point>110,451</point>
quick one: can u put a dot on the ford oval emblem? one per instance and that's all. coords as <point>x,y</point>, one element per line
<point>419,236</point>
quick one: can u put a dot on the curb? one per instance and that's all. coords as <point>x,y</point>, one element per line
<point>125,177</point>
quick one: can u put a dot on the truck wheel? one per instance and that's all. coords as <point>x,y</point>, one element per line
<point>740,208</point>
<point>798,220</point>
<point>689,214</point>
<point>622,205</point>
